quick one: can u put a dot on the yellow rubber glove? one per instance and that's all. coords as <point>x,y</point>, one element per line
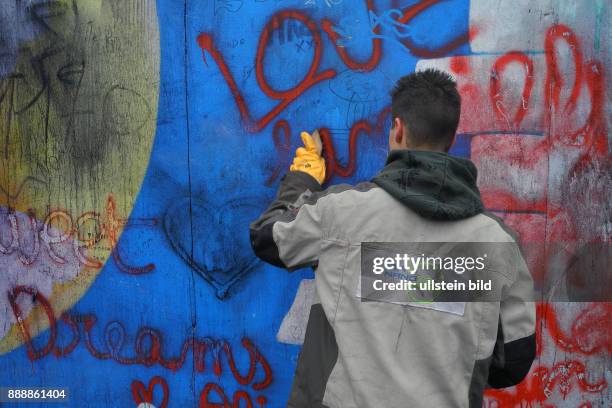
<point>308,158</point>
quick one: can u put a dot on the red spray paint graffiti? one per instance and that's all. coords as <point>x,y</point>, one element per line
<point>588,335</point>
<point>205,41</point>
<point>70,230</point>
<point>313,77</point>
<point>545,143</point>
<point>145,395</point>
<point>152,355</point>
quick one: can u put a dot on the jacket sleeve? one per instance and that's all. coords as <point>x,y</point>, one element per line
<point>515,348</point>
<point>288,233</point>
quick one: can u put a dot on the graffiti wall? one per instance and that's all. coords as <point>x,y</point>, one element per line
<point>138,138</point>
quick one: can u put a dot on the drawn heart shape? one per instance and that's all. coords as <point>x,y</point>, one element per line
<point>144,396</point>
<point>219,249</point>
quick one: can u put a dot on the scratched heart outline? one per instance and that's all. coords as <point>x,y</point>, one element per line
<point>220,278</point>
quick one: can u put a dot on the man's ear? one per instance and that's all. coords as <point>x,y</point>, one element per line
<point>399,131</point>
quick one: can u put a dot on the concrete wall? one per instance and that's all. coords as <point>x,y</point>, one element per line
<point>139,138</point>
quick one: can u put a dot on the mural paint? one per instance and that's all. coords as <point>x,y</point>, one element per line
<point>139,138</point>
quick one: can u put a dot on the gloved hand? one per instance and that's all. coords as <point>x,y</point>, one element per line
<point>308,158</point>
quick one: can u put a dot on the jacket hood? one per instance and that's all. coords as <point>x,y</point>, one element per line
<point>435,185</point>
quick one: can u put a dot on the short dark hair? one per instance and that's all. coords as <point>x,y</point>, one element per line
<point>429,105</point>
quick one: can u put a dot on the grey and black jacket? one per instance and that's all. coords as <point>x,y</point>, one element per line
<point>375,354</point>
